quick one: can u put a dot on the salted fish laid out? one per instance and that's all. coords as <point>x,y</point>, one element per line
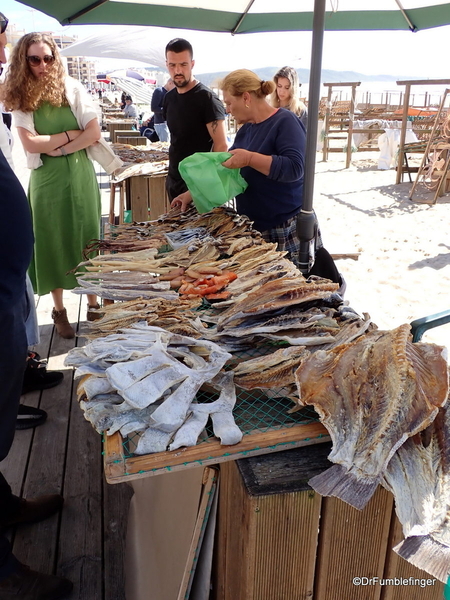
<point>220,411</point>
<point>145,378</point>
<point>372,395</point>
<point>278,294</point>
<point>272,370</point>
<point>418,475</point>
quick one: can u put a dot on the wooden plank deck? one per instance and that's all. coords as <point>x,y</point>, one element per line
<point>86,542</point>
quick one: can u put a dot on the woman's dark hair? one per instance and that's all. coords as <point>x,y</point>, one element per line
<point>178,45</point>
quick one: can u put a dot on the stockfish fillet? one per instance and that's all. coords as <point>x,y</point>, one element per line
<point>371,394</point>
<point>419,477</point>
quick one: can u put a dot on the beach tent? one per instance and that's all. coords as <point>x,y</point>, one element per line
<point>138,90</point>
<point>251,16</point>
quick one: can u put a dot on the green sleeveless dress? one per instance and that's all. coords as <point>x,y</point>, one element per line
<point>65,206</point>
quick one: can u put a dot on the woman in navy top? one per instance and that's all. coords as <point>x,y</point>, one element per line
<point>269,149</point>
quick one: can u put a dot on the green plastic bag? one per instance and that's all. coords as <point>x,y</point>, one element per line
<point>210,183</point>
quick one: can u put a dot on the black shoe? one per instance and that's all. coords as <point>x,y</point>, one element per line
<point>32,511</point>
<point>29,416</point>
<point>31,585</point>
<point>37,377</point>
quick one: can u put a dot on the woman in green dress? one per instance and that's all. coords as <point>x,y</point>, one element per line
<point>56,122</point>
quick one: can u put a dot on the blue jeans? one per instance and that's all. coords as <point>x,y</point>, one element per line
<point>162,131</point>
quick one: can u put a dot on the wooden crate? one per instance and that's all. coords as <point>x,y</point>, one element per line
<point>277,538</point>
<point>134,140</point>
<point>146,196</point>
<point>124,132</point>
<point>123,125</point>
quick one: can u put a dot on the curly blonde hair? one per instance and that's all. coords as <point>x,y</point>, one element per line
<point>295,105</point>
<point>22,90</point>
<point>241,81</point>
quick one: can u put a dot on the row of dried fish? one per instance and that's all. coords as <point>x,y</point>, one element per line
<point>231,231</point>
<point>138,154</point>
<point>145,379</point>
<point>176,316</point>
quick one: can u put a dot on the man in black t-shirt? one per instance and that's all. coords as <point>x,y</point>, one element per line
<point>195,117</point>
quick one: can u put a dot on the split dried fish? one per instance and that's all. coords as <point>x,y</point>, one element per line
<point>278,294</point>
<point>418,475</point>
<point>271,371</point>
<point>371,394</point>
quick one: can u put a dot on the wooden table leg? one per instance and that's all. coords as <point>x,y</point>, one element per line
<point>121,202</point>
<point>112,200</point>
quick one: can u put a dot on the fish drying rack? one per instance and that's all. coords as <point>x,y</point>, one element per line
<point>263,417</point>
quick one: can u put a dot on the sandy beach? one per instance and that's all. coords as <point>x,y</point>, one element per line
<point>403,269</point>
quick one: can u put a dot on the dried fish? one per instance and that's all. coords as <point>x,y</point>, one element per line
<point>277,294</point>
<point>272,370</point>
<point>371,394</point>
<point>418,475</point>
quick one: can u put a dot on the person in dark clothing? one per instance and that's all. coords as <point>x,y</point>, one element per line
<point>160,124</point>
<point>16,246</point>
<point>195,118</point>
<point>269,149</point>
<point>123,102</point>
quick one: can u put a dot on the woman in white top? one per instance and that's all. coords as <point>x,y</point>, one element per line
<point>287,93</point>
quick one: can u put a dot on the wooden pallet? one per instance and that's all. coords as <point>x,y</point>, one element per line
<point>120,468</point>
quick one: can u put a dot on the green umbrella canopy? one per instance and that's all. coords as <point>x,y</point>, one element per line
<point>244,16</point>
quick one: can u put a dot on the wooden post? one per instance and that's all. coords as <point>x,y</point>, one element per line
<point>112,198</point>
<point>121,201</point>
<point>350,127</point>
<point>327,125</point>
<point>403,133</point>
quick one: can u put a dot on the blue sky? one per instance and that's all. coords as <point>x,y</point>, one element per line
<point>395,53</point>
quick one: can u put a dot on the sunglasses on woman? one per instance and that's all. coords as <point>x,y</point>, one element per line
<point>35,61</point>
<point>3,23</point>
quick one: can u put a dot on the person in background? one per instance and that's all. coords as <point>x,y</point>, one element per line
<point>36,376</point>
<point>157,108</point>
<point>56,122</point>
<point>129,111</point>
<point>287,93</point>
<point>122,101</point>
<point>195,117</point>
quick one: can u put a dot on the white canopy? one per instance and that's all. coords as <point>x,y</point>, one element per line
<point>212,51</point>
<point>138,90</point>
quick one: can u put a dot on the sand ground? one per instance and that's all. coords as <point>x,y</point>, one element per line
<point>403,269</point>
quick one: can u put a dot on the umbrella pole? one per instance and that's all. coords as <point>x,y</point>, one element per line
<point>306,218</point>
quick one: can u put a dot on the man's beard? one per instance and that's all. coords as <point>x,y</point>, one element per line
<point>181,83</point>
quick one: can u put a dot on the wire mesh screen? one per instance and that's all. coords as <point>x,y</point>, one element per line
<point>255,411</point>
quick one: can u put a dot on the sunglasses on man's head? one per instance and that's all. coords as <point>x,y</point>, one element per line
<point>3,23</point>
<point>35,61</point>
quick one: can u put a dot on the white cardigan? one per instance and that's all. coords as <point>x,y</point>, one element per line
<point>84,111</point>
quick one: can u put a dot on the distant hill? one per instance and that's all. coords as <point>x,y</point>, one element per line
<point>328,76</point>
